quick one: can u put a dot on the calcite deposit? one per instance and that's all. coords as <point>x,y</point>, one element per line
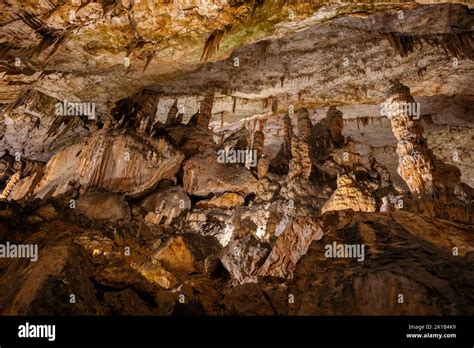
<point>237,157</point>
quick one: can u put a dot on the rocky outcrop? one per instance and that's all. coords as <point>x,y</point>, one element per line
<point>349,196</point>
<point>110,160</point>
<point>290,247</point>
<point>167,204</point>
<point>204,175</point>
<point>243,257</point>
<point>97,205</point>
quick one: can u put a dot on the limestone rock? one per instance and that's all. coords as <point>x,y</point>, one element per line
<point>226,201</point>
<point>247,299</point>
<point>118,162</point>
<point>349,196</point>
<point>165,204</point>
<point>395,263</point>
<point>102,205</point>
<point>290,246</point>
<point>175,255</point>
<point>243,257</point>
<point>157,275</point>
<point>44,287</point>
<point>204,175</point>
<point>127,303</point>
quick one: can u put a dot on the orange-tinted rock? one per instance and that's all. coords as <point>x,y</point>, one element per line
<point>349,196</point>
<point>290,246</point>
<point>175,255</point>
<point>226,201</point>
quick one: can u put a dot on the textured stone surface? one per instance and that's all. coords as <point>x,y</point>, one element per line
<point>290,246</point>
<point>204,175</point>
<point>176,255</point>
<point>102,206</point>
<point>135,210</point>
<point>349,196</point>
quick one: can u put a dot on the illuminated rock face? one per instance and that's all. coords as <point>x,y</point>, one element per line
<point>290,246</point>
<point>416,165</point>
<point>136,211</point>
<point>116,161</point>
<point>164,205</point>
<point>349,196</point>
<point>204,175</point>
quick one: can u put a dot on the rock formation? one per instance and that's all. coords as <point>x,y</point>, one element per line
<point>349,196</point>
<point>416,165</point>
<point>233,158</point>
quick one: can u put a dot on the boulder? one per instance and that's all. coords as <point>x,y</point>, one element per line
<point>114,160</point>
<point>247,299</point>
<point>166,203</point>
<point>204,175</point>
<point>243,257</point>
<point>226,201</point>
<point>101,205</point>
<point>290,246</point>
<point>175,255</point>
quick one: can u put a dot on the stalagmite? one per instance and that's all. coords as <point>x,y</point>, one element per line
<point>205,112</point>
<point>349,196</point>
<point>10,185</point>
<point>148,106</point>
<point>258,142</point>
<point>415,162</point>
<point>335,125</point>
<point>172,113</point>
<point>300,164</point>
<point>280,163</point>
<point>304,124</point>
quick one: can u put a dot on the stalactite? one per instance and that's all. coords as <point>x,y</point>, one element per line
<point>205,109</point>
<point>213,42</point>
<point>274,104</point>
<point>234,104</point>
<point>459,45</point>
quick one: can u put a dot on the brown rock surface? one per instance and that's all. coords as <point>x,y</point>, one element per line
<point>204,175</point>
<point>290,246</point>
<point>349,196</point>
<point>176,255</point>
<point>97,205</point>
